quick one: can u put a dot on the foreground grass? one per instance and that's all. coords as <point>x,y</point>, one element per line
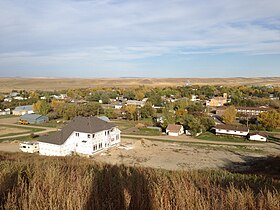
<point>35,182</point>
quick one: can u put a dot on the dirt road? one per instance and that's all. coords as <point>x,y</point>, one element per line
<point>11,121</point>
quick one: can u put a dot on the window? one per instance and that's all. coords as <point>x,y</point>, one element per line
<point>84,141</point>
<point>77,134</point>
<point>88,135</point>
<point>94,147</point>
<point>93,135</point>
<point>105,133</point>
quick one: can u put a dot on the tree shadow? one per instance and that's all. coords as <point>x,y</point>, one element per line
<point>267,166</point>
<point>267,169</point>
<point>119,187</point>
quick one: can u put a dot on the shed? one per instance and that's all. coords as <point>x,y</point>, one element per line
<point>258,136</point>
<point>174,130</point>
<point>34,118</point>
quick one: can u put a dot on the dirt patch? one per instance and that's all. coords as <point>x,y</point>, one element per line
<point>9,147</point>
<point>10,130</point>
<point>174,156</point>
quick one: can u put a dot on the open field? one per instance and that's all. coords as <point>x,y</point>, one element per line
<point>8,84</point>
<point>36,182</point>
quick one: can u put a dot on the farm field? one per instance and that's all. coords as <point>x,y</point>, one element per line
<point>17,83</point>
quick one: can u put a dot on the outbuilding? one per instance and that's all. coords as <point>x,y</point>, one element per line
<point>258,136</point>
<point>34,118</point>
<point>174,130</point>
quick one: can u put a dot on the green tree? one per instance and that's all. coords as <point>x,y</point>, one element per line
<point>111,113</point>
<point>194,125</point>
<point>168,114</point>
<point>270,119</point>
<point>147,110</point>
<point>229,115</point>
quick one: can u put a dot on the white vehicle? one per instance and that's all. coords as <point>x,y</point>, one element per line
<point>30,147</point>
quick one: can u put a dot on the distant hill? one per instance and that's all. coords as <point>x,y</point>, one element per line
<point>18,83</point>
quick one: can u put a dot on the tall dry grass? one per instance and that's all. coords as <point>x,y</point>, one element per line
<point>34,182</point>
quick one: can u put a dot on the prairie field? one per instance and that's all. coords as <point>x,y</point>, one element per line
<point>16,83</point>
<point>36,182</point>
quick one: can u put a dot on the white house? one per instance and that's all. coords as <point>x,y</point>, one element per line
<point>5,112</point>
<point>21,110</point>
<point>258,136</point>
<point>83,135</point>
<point>231,130</point>
<point>174,130</point>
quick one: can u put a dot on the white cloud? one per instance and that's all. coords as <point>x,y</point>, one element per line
<point>94,31</point>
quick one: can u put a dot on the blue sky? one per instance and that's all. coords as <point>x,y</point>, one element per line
<point>139,38</point>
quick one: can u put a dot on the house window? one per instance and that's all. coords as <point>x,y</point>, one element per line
<point>105,133</point>
<point>84,141</point>
<point>93,135</point>
<point>77,134</point>
<point>108,132</point>
<point>94,147</point>
<point>88,135</point>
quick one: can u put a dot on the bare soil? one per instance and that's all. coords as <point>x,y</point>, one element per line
<point>8,84</point>
<point>174,156</point>
<point>9,130</point>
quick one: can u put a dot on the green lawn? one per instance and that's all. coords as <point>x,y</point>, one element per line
<point>124,124</point>
<point>51,124</point>
<point>145,132</point>
<point>212,137</point>
<point>7,116</point>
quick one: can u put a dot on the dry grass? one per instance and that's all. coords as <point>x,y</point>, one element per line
<point>8,84</point>
<point>34,182</point>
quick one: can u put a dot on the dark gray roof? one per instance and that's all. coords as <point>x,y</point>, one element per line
<point>78,124</point>
<point>26,107</point>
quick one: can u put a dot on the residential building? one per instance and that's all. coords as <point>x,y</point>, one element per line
<point>83,136</point>
<point>135,103</point>
<point>34,118</point>
<point>234,130</point>
<point>251,111</point>
<point>217,101</point>
<point>174,130</point>
<point>21,110</point>
<point>5,112</point>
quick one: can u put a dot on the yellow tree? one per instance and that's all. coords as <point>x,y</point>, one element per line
<point>270,120</point>
<point>58,106</point>
<point>139,95</point>
<point>131,111</point>
<point>41,107</point>
<point>229,115</point>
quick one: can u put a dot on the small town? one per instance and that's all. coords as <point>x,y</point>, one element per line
<point>89,121</point>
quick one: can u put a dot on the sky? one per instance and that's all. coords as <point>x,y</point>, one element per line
<point>139,38</point>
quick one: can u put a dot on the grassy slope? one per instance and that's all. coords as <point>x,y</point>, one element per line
<point>35,182</point>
